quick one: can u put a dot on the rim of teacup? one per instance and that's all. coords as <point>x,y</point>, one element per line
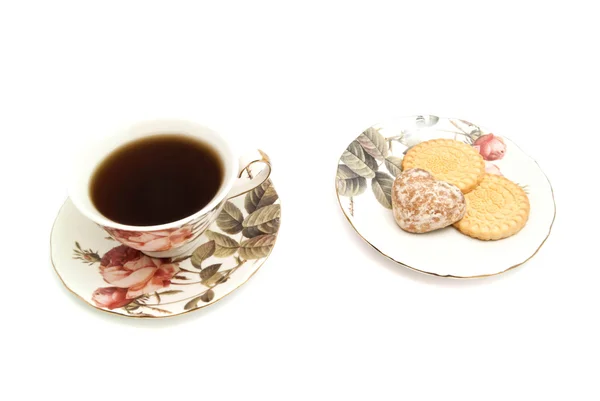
<point>85,164</point>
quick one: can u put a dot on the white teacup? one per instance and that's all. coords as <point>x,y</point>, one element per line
<point>178,237</point>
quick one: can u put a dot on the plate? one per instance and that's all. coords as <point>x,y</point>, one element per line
<point>366,171</point>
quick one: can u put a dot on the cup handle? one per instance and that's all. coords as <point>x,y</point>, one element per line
<point>241,186</point>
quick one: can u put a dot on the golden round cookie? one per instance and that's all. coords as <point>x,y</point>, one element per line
<point>496,209</point>
<point>448,160</point>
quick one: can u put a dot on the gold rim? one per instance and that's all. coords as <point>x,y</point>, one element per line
<point>143,317</point>
<point>451,275</point>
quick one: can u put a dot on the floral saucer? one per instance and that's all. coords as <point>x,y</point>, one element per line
<point>118,279</point>
<point>366,172</point>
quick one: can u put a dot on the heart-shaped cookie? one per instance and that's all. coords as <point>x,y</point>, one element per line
<point>422,204</point>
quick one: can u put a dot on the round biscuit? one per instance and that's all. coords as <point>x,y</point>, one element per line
<point>448,160</point>
<point>496,209</point>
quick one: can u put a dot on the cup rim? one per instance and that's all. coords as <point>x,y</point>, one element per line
<point>221,195</point>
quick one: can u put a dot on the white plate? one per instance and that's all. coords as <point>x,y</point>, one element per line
<point>445,252</point>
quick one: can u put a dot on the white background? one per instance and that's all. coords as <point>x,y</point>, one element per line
<point>326,317</point>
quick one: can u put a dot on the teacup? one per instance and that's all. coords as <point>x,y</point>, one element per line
<point>174,238</point>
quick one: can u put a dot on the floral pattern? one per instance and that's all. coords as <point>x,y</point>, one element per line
<point>130,269</point>
<point>85,255</point>
<point>110,297</point>
<point>370,160</point>
<point>153,241</point>
<point>490,147</point>
<point>491,168</point>
<point>139,285</point>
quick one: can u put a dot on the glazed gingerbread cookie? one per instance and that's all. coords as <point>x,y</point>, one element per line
<point>496,209</point>
<point>448,160</point>
<point>422,204</point>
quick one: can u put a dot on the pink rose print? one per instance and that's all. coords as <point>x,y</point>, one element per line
<point>490,147</point>
<point>153,241</point>
<point>491,168</point>
<point>133,273</point>
<point>110,297</point>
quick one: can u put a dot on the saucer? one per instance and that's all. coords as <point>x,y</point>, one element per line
<point>117,279</point>
<point>366,172</point>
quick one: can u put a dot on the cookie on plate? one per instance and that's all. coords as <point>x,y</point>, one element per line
<point>422,204</point>
<point>496,209</point>
<point>448,160</point>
